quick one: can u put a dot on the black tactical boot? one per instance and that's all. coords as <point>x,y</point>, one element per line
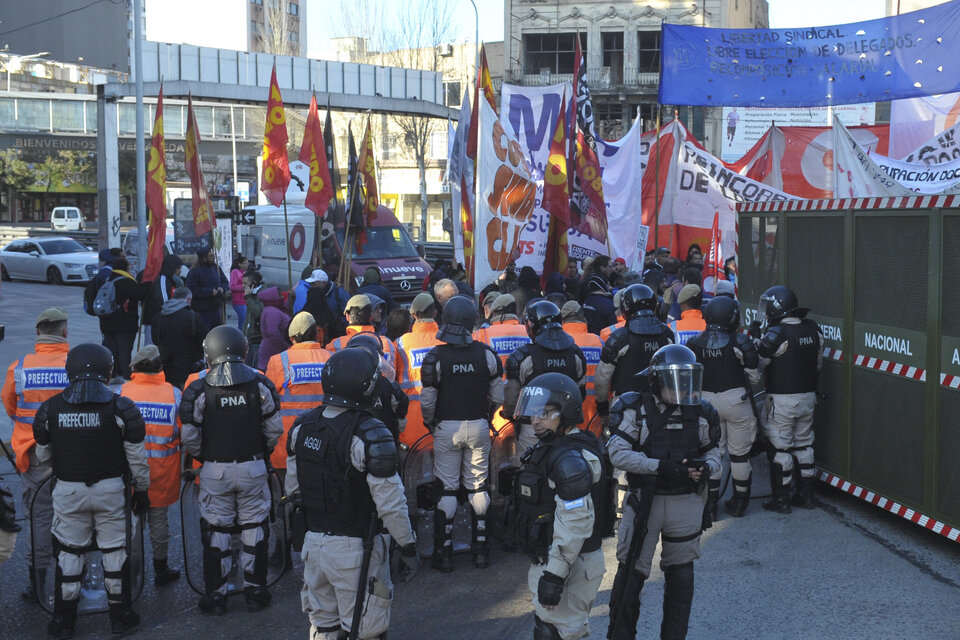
<point>803,497</point>
<point>677,600</point>
<point>710,509</point>
<point>258,598</point>
<point>442,559</point>
<point>163,574</point>
<point>779,501</point>
<point>122,619</point>
<point>64,619</point>
<point>737,505</point>
<point>213,604</point>
<point>481,548</point>
<point>625,604</point>
<point>544,630</point>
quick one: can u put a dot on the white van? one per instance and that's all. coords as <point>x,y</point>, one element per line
<point>66,219</point>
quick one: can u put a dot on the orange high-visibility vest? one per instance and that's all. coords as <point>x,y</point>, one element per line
<point>413,347</point>
<point>296,375</point>
<point>30,380</point>
<point>591,345</point>
<point>390,353</point>
<point>504,337</point>
<point>690,324</point>
<point>159,403</point>
<point>606,331</point>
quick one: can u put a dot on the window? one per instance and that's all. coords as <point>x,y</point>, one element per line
<point>293,9</point>
<point>608,118</point>
<point>294,37</point>
<point>613,56</point>
<point>648,58</point>
<point>258,2</point>
<point>451,91</point>
<point>550,52</point>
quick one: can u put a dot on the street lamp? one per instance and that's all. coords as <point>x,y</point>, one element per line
<point>476,36</point>
<point>17,60</point>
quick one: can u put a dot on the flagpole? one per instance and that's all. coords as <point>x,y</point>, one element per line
<point>656,211</point>
<point>286,234</point>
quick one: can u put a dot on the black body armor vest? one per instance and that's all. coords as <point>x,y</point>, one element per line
<point>796,370</point>
<point>546,360</point>
<point>674,434</point>
<point>636,359</point>
<point>721,368</point>
<point>232,426</point>
<point>87,442</point>
<point>464,380</point>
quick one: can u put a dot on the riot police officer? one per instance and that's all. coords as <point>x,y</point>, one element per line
<point>665,438</point>
<point>558,494</point>
<point>551,350</point>
<point>629,348</point>
<point>791,352</point>
<point>95,441</point>
<point>231,422</point>
<point>390,403</point>
<point>462,385</point>
<point>342,473</point>
<point>730,362</point>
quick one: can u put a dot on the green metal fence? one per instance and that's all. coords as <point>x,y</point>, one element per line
<point>879,275</point>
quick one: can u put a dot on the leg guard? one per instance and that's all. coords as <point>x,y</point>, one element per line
<point>779,501</point>
<point>625,603</point>
<point>544,630</point>
<point>481,548</point>
<point>803,497</point>
<point>677,601</point>
<point>442,559</point>
<point>737,505</point>
<point>255,538</point>
<point>710,509</point>
<point>214,557</point>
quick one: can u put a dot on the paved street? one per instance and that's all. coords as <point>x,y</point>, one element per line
<point>845,570</point>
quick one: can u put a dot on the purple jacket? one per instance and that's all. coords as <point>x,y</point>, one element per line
<point>274,323</point>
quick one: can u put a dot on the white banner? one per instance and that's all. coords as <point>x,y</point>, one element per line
<point>855,174</point>
<point>922,178</point>
<point>459,172</point>
<point>938,149</point>
<point>914,120</point>
<point>506,196</point>
<point>640,251</point>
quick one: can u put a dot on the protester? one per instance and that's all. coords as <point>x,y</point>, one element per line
<point>317,303</point>
<point>598,309</point>
<point>528,287</point>
<point>373,284</point>
<point>209,286</point>
<point>399,322</point>
<point>178,332</point>
<point>119,328</point>
<point>300,290</point>
<point>240,265</point>
<point>252,285</point>
<point>274,323</point>
<point>156,293</point>
<point>443,291</point>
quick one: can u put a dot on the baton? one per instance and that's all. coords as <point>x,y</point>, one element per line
<point>364,572</point>
<point>6,452</point>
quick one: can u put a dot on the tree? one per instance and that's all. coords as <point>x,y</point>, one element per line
<point>278,33</point>
<point>15,174</point>
<point>64,168</point>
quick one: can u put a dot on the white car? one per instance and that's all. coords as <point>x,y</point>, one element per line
<point>57,260</point>
<point>131,246</point>
<point>66,219</point>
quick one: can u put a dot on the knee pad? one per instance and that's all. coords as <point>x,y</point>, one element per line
<point>479,499</point>
<point>213,574</point>
<point>448,504</point>
<point>259,551</point>
<point>69,572</point>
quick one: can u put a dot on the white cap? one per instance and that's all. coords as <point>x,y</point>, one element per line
<point>318,275</point>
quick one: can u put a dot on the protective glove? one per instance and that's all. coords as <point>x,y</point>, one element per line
<point>603,409</point>
<point>755,330</point>
<point>409,562</point>
<point>672,470</point>
<point>189,475</point>
<point>549,589</point>
<point>140,502</point>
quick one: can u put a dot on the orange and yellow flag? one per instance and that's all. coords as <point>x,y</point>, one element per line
<point>276,166</point>
<point>313,153</point>
<point>203,220</point>
<point>556,199</point>
<point>484,86</point>
<point>367,166</point>
<point>156,197</point>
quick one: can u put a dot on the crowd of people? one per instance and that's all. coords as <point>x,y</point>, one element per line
<point>603,376</point>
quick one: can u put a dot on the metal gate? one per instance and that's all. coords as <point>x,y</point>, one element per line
<point>878,275</point>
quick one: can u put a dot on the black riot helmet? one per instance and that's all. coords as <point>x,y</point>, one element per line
<point>776,303</point>
<point>675,375</point>
<point>349,379</point>
<point>89,361</point>
<point>722,313</point>
<point>637,298</point>
<point>550,392</point>
<point>541,315</point>
<point>224,344</point>
<point>459,318</point>
<point>368,341</point>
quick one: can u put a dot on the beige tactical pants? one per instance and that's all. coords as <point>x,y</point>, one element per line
<point>41,501</point>
<point>738,429</point>
<point>235,493</point>
<point>789,428</point>
<point>570,617</point>
<point>674,519</point>
<point>159,531</point>
<point>331,573</point>
<point>79,511</point>
<point>461,455</point>
<point>8,540</point>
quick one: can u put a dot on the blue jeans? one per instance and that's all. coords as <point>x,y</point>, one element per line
<point>241,311</point>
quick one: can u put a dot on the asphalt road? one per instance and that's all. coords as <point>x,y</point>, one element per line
<point>844,570</point>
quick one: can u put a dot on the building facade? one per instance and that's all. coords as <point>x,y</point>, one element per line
<point>621,43</point>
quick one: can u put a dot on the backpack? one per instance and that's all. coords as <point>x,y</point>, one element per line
<point>105,302</point>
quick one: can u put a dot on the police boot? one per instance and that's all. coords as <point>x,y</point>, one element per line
<point>163,574</point>
<point>677,600</point>
<point>213,604</point>
<point>737,505</point>
<point>779,501</point>
<point>481,547</point>
<point>122,618</point>
<point>710,509</point>
<point>442,559</point>
<point>544,630</point>
<point>803,497</point>
<point>64,619</point>
<point>257,598</point>
<point>625,604</point>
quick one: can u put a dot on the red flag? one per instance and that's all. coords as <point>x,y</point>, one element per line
<point>715,258</point>
<point>203,220</point>
<point>276,166</point>
<point>367,168</point>
<point>314,154</point>
<point>156,197</point>
<point>485,86</point>
<point>466,227</point>
<point>589,210</point>
<point>556,199</point>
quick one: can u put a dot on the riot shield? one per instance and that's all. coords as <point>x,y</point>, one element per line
<point>193,547</point>
<point>503,457</point>
<point>93,593</point>
<point>416,469</point>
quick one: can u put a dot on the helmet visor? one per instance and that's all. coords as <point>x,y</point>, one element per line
<point>680,384</point>
<point>538,402</point>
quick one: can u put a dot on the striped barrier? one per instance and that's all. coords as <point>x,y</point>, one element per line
<point>895,368</point>
<point>953,382</point>
<point>833,354</point>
